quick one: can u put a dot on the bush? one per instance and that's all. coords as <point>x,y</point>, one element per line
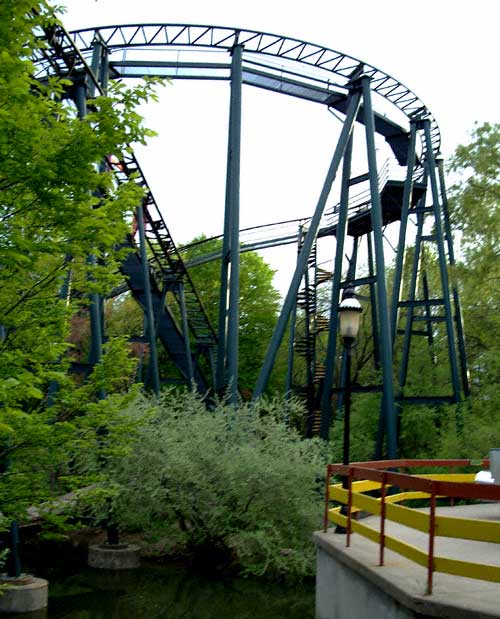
<point>230,482</point>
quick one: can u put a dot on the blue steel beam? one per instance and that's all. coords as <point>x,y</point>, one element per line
<point>400,254</point>
<point>148,310</point>
<point>403,369</point>
<point>436,203</point>
<point>227,352</point>
<point>456,300</point>
<point>309,337</point>
<point>95,353</point>
<point>331,347</point>
<point>234,200</point>
<point>383,310</point>
<point>291,337</point>
<point>355,101</point>
<point>428,316</point>
<point>224,285</point>
<point>226,259</point>
<point>373,304</point>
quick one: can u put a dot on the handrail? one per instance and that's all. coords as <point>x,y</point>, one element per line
<point>365,477</point>
<point>285,55</point>
<point>286,232</point>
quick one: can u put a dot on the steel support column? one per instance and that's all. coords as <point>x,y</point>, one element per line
<point>224,284</point>
<point>309,310</point>
<point>353,262</point>
<point>291,339</point>
<point>64,295</point>
<point>456,300</point>
<point>383,309</point>
<point>291,336</point>
<point>428,313</point>
<point>95,353</point>
<point>436,202</point>
<point>185,332</point>
<point>331,347</point>
<point>99,67</point>
<point>227,357</point>
<point>412,292</point>
<point>352,112</point>
<point>400,254</point>
<point>373,304</point>
<point>148,310</point>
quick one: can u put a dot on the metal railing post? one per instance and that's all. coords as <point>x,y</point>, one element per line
<point>327,497</point>
<point>382,519</point>
<point>349,507</point>
<point>432,525</point>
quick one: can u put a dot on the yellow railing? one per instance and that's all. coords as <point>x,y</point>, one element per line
<point>362,477</point>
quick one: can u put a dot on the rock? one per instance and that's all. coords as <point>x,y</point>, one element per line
<point>116,557</point>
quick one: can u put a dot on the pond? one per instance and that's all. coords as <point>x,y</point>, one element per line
<point>170,592</point>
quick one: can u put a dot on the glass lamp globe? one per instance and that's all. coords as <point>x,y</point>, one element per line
<point>349,316</point>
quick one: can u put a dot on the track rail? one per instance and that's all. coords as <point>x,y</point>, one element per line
<point>304,64</point>
<point>305,61</point>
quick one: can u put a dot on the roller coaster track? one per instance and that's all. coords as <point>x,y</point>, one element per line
<point>305,70</point>
<point>270,61</point>
<point>345,86</point>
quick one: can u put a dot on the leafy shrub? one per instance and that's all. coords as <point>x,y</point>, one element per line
<point>233,481</point>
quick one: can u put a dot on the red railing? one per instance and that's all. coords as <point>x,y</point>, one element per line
<point>381,475</point>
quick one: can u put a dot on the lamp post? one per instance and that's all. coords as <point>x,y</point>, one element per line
<point>349,318</point>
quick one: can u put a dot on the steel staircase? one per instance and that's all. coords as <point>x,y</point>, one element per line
<point>168,274</point>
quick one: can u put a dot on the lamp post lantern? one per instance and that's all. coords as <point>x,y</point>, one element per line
<point>349,319</point>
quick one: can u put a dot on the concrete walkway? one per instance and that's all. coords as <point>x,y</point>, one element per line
<point>453,596</point>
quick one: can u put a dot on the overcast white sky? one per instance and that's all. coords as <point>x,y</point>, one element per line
<point>446,51</point>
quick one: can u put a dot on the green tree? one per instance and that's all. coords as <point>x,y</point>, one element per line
<point>476,215</point>
<point>471,428</point>
<point>259,304</point>
<point>56,208</point>
<point>475,212</point>
<point>226,485</point>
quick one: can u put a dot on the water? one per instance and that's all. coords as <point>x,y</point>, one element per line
<point>170,592</point>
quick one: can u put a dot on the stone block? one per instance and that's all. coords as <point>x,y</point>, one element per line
<point>24,594</point>
<point>119,557</point>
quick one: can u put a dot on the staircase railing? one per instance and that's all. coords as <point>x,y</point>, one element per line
<point>165,258</point>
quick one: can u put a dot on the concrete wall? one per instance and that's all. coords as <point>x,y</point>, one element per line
<point>350,584</point>
<point>341,593</point>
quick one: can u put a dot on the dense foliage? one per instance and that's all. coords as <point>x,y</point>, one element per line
<point>259,305</point>
<point>57,207</point>
<point>229,485</point>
